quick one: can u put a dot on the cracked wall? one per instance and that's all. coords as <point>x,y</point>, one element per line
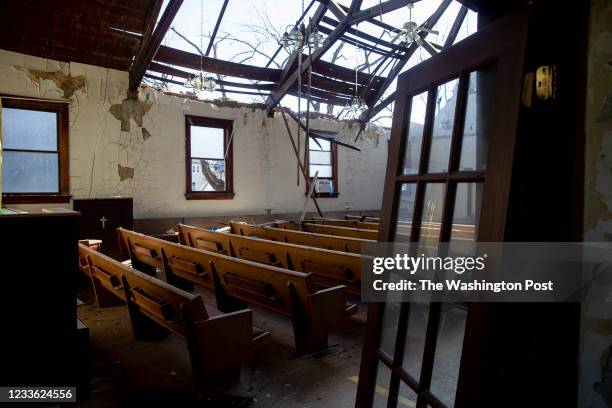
<point>596,344</point>
<point>137,148</point>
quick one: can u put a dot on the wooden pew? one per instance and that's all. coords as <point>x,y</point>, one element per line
<point>344,223</point>
<point>343,244</point>
<point>330,268</point>
<point>362,218</point>
<point>313,312</point>
<point>329,230</point>
<point>91,243</point>
<point>218,343</point>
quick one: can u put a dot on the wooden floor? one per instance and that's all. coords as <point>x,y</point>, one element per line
<point>125,372</point>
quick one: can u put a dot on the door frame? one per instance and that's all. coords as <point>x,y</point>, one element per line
<point>502,41</point>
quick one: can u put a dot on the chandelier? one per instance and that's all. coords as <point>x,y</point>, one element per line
<point>297,37</point>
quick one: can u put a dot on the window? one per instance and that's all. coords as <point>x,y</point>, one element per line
<point>323,157</point>
<point>208,158</point>
<point>34,151</point>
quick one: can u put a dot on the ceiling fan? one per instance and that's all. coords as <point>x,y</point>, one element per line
<point>410,32</point>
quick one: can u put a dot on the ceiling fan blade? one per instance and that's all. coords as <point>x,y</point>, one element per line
<point>428,30</point>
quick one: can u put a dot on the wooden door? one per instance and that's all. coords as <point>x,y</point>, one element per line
<point>448,178</point>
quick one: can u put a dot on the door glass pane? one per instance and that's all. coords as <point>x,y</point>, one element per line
<point>389,328</point>
<point>208,175</point>
<point>433,207</point>
<point>29,129</point>
<point>478,119</point>
<point>24,172</point>
<point>448,352</point>
<point>407,397</point>
<point>405,211</point>
<point>442,131</point>
<point>466,211</point>
<point>414,138</point>
<point>415,338</point>
<point>207,142</point>
<point>381,390</point>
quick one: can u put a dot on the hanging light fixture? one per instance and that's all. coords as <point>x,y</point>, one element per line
<point>357,105</point>
<point>315,40</point>
<point>201,82</point>
<point>297,37</point>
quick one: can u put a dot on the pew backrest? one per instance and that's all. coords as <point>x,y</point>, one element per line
<point>344,244</point>
<point>330,268</point>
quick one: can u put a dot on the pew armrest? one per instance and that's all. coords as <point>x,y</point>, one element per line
<point>225,340</point>
<point>328,306</point>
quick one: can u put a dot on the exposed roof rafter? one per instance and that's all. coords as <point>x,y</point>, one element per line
<point>147,52</point>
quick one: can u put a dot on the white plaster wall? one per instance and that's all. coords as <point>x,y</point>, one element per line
<point>265,169</point>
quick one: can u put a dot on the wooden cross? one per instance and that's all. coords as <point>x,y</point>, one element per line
<point>103,221</point>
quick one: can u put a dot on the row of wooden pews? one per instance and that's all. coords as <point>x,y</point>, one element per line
<point>329,268</point>
<point>292,271</point>
<point>272,233</point>
<point>334,230</point>
<point>218,342</point>
<point>237,282</point>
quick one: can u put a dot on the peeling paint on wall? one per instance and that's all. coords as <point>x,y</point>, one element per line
<point>67,83</point>
<point>130,109</point>
<point>145,133</point>
<point>125,172</point>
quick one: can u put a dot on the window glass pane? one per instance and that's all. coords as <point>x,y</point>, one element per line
<point>318,157</point>
<point>466,211</point>
<point>407,397</point>
<point>478,119</point>
<point>389,328</point>
<point>414,138</point>
<point>448,352</point>
<point>404,215</point>
<point>433,207</point>
<point>324,171</point>
<point>319,144</point>
<point>207,142</point>
<point>383,381</point>
<point>29,129</point>
<point>415,339</point>
<point>442,131</point>
<point>208,175</point>
<point>24,172</point>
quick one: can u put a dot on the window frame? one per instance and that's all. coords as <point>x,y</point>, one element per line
<point>63,147</point>
<point>227,126</point>
<point>334,177</point>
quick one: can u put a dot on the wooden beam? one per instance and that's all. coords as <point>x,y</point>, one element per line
<point>164,69</point>
<point>217,24</point>
<point>397,68</point>
<point>363,45</point>
<point>454,31</point>
<point>144,58</point>
<point>173,56</point>
<point>378,41</point>
<point>289,73</point>
<point>297,156</point>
